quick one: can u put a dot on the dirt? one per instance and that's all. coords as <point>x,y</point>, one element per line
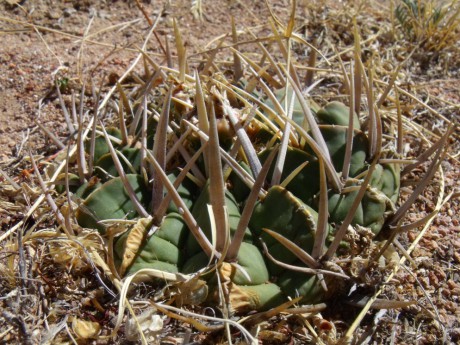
<point>31,60</point>
<point>42,44</point>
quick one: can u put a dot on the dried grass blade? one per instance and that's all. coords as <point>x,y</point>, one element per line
<point>178,142</point>
<point>74,108</point>
<point>143,139</point>
<point>82,98</point>
<point>61,219</point>
<point>400,139</point>
<point>81,161</point>
<point>162,208</point>
<point>301,254</point>
<point>351,213</point>
<point>160,73</point>
<point>123,103</point>
<point>311,65</point>
<point>186,214</point>
<point>216,185</point>
<point>388,87</point>
<point>92,142</point>
<point>147,72</point>
<point>249,207</point>
<point>10,180</point>
<point>349,140</point>
<point>418,223</point>
<point>283,308</point>
<point>169,60</point>
<point>237,68</point>
<point>438,158</point>
<point>274,18</point>
<point>64,110</point>
<point>293,174</point>
<point>203,123</point>
<point>50,135</point>
<point>134,125</point>
<point>129,190</point>
<point>261,71</point>
<point>423,157</point>
<point>290,26</point>
<point>181,52</point>
<point>323,215</point>
<point>320,146</point>
<point>307,270</point>
<point>277,114</point>
<point>289,108</point>
<point>244,96</point>
<point>375,125</point>
<point>244,139</point>
<point>284,141</point>
<point>346,79</point>
<point>243,174</point>
<point>159,150</point>
<point>271,59</point>
<point>67,190</point>
<point>192,320</point>
<point>358,63</point>
<point>380,303</point>
<point>210,58</point>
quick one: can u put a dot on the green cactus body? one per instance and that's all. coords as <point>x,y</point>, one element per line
<point>260,297</point>
<point>110,201</point>
<point>245,294</point>
<point>195,263</point>
<point>132,155</point>
<point>335,138</point>
<point>74,183</point>
<point>252,261</point>
<point>282,212</point>
<point>305,184</point>
<point>247,291</point>
<point>101,148</point>
<point>371,211</point>
<point>187,191</point>
<point>386,178</point>
<point>296,284</point>
<point>337,113</point>
<point>87,188</point>
<point>333,123</point>
<point>162,251</point>
<point>201,214</point>
<point>297,112</point>
<point>254,282</point>
<point>239,189</point>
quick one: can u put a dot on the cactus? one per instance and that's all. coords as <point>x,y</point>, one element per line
<point>290,210</point>
<point>255,205</point>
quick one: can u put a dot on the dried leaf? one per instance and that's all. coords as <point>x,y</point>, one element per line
<point>85,329</point>
<point>133,242</point>
<point>149,322</point>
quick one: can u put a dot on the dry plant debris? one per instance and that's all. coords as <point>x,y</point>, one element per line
<point>58,283</point>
